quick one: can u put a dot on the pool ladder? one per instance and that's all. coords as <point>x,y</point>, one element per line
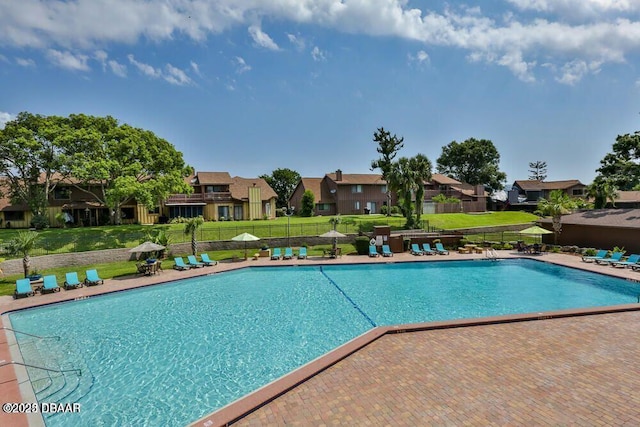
<point>492,254</point>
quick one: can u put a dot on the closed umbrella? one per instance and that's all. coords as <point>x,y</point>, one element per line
<point>245,237</point>
<point>147,247</point>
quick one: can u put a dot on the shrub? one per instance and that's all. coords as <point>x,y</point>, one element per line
<point>362,245</point>
<point>496,246</point>
<point>507,246</point>
<point>590,252</point>
<point>308,202</point>
<point>39,222</point>
<point>395,210</point>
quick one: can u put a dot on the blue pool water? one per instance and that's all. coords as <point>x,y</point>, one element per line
<point>170,354</point>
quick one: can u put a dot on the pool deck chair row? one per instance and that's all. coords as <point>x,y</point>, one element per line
<point>192,262</point>
<point>24,287</point>
<point>426,249</point>
<point>276,254</point>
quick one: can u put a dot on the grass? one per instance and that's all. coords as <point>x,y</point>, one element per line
<point>127,268</point>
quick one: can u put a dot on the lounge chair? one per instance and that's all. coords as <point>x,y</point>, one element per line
<point>631,261</point>
<point>207,261</point>
<point>426,248</point>
<point>193,262</point>
<point>93,278</point>
<point>441,250</point>
<point>302,253</point>
<point>386,251</point>
<point>50,284</point>
<point>373,251</point>
<point>72,281</point>
<point>288,253</point>
<point>415,249</point>
<point>23,289</point>
<point>599,255</point>
<point>615,257</point>
<point>276,254</point>
<point>179,264</point>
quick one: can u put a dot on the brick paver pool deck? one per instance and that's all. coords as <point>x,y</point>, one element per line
<point>580,370</point>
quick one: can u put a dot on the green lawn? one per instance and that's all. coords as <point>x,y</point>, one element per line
<point>126,268</point>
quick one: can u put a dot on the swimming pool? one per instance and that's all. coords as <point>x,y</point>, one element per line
<point>172,353</point>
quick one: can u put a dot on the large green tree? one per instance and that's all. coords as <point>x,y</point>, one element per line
<point>621,167</point>
<point>407,177</point>
<point>388,148</point>
<point>602,191</point>
<point>307,203</point>
<point>32,150</point>
<point>115,163</point>
<point>558,204</point>
<point>283,181</point>
<point>474,161</point>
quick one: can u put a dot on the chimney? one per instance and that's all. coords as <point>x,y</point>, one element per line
<point>338,175</point>
<point>479,190</point>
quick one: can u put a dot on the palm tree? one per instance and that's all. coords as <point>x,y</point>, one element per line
<point>191,227</point>
<point>23,244</point>
<point>421,168</point>
<point>559,204</point>
<point>602,191</point>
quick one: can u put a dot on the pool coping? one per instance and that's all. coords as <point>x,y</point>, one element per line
<point>247,404</point>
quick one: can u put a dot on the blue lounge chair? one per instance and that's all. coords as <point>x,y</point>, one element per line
<point>373,252</point>
<point>207,261</point>
<point>288,253</point>
<point>72,281</point>
<point>615,257</point>
<point>50,284</point>
<point>23,289</point>
<point>302,253</point>
<point>276,253</point>
<point>426,248</point>
<point>599,255</point>
<point>193,262</point>
<point>441,250</point>
<point>386,251</point>
<point>415,249</point>
<point>93,278</point>
<point>179,264</point>
<point>631,261</point>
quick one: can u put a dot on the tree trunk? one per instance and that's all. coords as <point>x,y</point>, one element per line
<point>26,264</point>
<point>557,228</point>
<point>194,243</point>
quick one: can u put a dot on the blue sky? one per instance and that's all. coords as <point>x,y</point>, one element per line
<point>248,87</point>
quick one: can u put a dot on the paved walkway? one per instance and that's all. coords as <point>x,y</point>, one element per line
<point>455,376</point>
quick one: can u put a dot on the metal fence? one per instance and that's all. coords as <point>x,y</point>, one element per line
<point>114,239</point>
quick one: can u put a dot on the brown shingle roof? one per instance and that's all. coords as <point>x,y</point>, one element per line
<point>214,178</point>
<point>240,188</point>
<point>628,196</point>
<point>438,178</point>
<point>618,218</point>
<point>314,185</point>
<point>533,185</point>
<point>358,178</point>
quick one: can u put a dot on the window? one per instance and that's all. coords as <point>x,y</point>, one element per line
<point>62,193</point>
<point>357,206</point>
<point>323,206</point>
<point>154,211</point>
<point>267,209</point>
<point>383,189</point>
<point>185,211</point>
<point>14,216</point>
<point>356,188</point>
<point>577,192</point>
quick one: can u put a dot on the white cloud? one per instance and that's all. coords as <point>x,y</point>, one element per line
<point>261,38</point>
<point>145,69</point>
<point>68,60</point>
<point>529,32</point>
<point>196,68</point>
<point>117,68</point>
<point>176,76</point>
<point>241,65</point>
<point>170,73</point>
<point>4,118</point>
<point>297,41</point>
<point>25,62</point>
<point>574,71</point>
<point>317,54</point>
<point>420,57</point>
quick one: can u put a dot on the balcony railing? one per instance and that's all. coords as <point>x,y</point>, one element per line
<point>199,197</point>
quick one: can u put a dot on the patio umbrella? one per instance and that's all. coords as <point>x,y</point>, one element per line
<point>333,234</point>
<point>245,237</point>
<point>535,231</point>
<point>147,247</point>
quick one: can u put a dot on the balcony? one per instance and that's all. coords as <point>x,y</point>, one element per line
<point>198,198</point>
